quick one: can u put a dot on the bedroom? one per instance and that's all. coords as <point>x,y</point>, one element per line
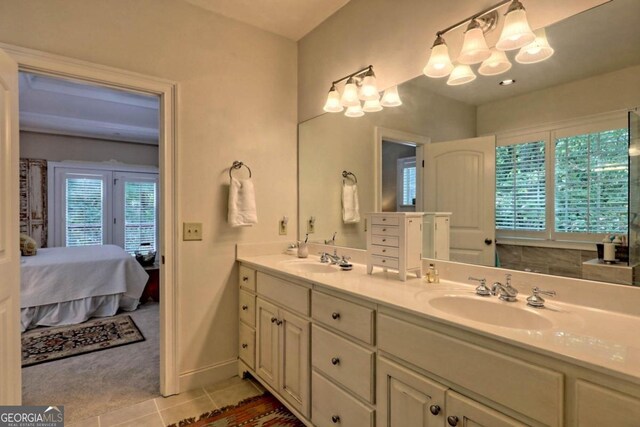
<point>89,204</point>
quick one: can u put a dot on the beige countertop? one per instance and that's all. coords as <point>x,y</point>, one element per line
<point>605,341</point>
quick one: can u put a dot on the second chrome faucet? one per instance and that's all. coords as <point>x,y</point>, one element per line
<point>506,292</point>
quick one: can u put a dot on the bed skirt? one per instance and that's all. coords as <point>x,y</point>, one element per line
<point>76,311</point>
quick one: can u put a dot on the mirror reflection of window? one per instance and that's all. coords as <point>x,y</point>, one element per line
<point>406,192</point>
<point>399,184</point>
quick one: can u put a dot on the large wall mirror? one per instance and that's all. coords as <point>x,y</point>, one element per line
<point>535,173</point>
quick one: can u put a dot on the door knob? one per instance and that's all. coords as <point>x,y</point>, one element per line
<point>245,307</point>
<point>452,420</point>
<point>435,409</point>
<point>278,322</point>
<point>335,361</point>
<point>245,345</point>
<point>488,241</point>
<point>274,320</point>
<point>335,419</point>
<point>335,315</point>
<point>245,278</point>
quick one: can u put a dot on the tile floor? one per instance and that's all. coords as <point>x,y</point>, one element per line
<point>162,411</point>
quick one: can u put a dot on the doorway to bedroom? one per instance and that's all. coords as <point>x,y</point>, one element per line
<point>90,205</point>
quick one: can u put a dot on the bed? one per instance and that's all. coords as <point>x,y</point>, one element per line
<point>65,286</point>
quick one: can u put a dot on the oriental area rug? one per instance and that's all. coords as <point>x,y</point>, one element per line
<point>258,411</point>
<point>42,345</point>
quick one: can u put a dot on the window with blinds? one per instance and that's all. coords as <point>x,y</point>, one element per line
<point>84,213</point>
<point>408,186</point>
<point>520,187</point>
<point>140,220</point>
<point>592,182</point>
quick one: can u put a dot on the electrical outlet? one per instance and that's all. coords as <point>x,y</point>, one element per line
<point>282,229</point>
<point>192,231</point>
<point>311,225</point>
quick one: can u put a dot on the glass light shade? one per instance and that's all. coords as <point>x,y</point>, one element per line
<point>497,63</point>
<point>372,106</point>
<point>537,51</point>
<point>333,104</point>
<point>350,94</point>
<point>369,89</point>
<point>516,32</point>
<point>474,47</point>
<point>439,64</point>
<point>460,75</point>
<point>354,111</point>
<point>391,98</point>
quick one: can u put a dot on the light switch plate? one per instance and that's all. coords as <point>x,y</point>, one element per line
<point>192,231</point>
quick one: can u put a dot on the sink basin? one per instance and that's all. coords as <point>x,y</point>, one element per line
<point>308,266</point>
<point>491,311</point>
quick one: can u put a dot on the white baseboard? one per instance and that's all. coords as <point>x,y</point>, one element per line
<point>208,375</point>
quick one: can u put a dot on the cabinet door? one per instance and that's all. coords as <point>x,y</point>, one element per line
<point>599,406</point>
<point>294,351</point>
<point>464,412</point>
<point>267,342</point>
<point>406,399</point>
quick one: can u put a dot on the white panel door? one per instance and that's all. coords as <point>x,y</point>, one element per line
<point>10,383</point>
<point>460,178</point>
<point>294,372</point>
<point>267,337</point>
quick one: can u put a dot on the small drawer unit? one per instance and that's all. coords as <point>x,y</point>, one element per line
<point>394,241</point>
<point>247,278</point>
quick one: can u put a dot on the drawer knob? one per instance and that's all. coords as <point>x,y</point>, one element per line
<point>384,251</point>
<point>245,345</point>
<point>384,260</point>
<point>335,361</point>
<point>335,419</point>
<point>274,320</point>
<point>435,409</point>
<point>384,219</point>
<point>452,420</point>
<point>245,307</point>
<point>335,315</point>
<point>384,229</point>
<point>384,240</point>
<point>245,278</point>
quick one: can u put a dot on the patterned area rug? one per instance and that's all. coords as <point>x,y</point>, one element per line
<point>258,411</point>
<point>46,344</point>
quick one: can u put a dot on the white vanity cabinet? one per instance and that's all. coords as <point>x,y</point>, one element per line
<point>394,241</point>
<point>247,315</point>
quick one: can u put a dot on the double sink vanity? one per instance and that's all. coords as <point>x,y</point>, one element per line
<point>345,348</point>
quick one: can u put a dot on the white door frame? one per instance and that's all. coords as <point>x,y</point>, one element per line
<point>385,134</point>
<point>45,63</point>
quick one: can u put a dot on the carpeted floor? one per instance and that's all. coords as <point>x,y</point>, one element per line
<point>95,383</point>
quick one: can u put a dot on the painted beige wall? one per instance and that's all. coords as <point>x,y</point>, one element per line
<point>394,36</point>
<point>57,148</point>
<point>598,94</point>
<point>237,101</point>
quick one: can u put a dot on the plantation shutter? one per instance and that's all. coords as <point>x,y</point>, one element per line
<point>408,175</point>
<point>84,211</point>
<point>140,214</point>
<point>520,187</point>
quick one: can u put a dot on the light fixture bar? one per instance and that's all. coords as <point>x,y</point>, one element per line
<point>367,68</point>
<point>472,17</point>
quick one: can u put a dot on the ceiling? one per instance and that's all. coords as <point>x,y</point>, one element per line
<point>292,19</point>
<point>67,107</point>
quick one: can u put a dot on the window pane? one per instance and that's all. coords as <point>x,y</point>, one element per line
<point>139,215</point>
<point>592,182</point>
<point>520,187</point>
<point>409,185</point>
<point>84,211</point>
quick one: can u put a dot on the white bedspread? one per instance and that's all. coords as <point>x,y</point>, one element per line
<point>58,275</point>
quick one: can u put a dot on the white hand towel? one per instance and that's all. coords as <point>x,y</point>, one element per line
<point>350,205</point>
<point>242,203</point>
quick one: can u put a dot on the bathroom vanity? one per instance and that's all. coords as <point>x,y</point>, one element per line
<point>351,349</point>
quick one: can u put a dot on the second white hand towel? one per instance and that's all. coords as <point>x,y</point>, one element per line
<point>350,204</point>
<point>242,203</point>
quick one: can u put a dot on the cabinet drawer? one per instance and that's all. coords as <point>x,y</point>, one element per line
<point>384,230</point>
<point>349,364</point>
<point>385,251</point>
<point>247,303</point>
<point>345,316</point>
<point>247,278</point>
<point>287,294</point>
<point>247,344</point>
<point>385,241</point>
<point>498,377</point>
<point>384,261</point>
<point>384,220</point>
<point>331,406</point>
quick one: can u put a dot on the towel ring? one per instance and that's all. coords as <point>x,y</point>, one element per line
<point>237,165</point>
<point>346,174</point>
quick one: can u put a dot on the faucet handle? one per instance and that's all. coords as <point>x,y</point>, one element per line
<point>481,289</point>
<point>536,300</point>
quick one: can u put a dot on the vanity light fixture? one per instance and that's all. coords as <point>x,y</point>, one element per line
<point>516,34</point>
<point>360,86</point>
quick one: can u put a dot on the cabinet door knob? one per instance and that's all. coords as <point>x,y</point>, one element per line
<point>279,322</point>
<point>335,315</point>
<point>335,361</point>
<point>435,409</point>
<point>245,307</point>
<point>274,320</point>
<point>452,420</point>
<point>245,345</point>
<point>245,278</point>
<point>335,419</point>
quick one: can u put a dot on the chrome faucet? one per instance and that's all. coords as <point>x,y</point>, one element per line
<point>326,257</point>
<point>332,240</point>
<point>536,300</point>
<point>506,292</point>
<point>481,289</point>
